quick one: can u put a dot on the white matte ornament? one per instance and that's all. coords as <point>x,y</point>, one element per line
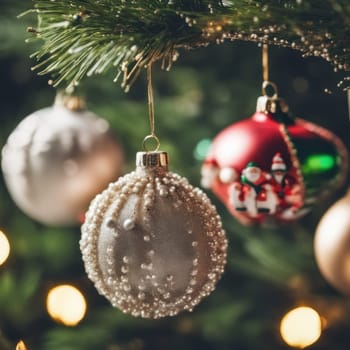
<point>56,160</point>
<point>153,244</point>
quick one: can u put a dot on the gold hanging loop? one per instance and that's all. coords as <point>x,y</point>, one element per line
<point>268,87</point>
<point>149,138</point>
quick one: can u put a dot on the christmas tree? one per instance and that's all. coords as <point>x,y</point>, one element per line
<point>82,46</point>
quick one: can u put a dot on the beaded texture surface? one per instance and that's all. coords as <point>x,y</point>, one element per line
<point>153,244</point>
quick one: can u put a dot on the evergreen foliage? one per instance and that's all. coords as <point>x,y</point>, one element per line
<point>270,270</point>
<point>88,37</point>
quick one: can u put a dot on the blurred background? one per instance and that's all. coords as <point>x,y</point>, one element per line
<point>269,271</point>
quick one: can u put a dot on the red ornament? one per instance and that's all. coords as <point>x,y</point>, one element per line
<point>272,165</point>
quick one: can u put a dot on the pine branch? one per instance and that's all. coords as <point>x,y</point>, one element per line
<point>86,37</point>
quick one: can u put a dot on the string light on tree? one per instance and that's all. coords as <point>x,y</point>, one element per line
<point>301,327</point>
<point>4,248</point>
<point>21,346</point>
<point>66,304</point>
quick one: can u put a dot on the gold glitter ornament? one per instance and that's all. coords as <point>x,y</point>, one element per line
<point>153,244</point>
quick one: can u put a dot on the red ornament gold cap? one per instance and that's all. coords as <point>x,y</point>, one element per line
<point>270,102</point>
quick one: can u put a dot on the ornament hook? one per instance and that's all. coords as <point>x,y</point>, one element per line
<point>269,89</point>
<point>151,137</point>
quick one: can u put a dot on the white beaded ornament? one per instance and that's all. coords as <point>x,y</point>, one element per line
<point>153,244</point>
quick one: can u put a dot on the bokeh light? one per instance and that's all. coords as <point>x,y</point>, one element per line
<point>301,327</point>
<point>66,304</point>
<point>21,346</point>
<point>201,149</point>
<point>4,248</point>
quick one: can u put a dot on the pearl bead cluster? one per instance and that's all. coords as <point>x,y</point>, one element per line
<point>153,244</point>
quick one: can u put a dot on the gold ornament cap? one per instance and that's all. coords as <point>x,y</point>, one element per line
<point>271,103</point>
<point>152,159</point>
<point>73,103</point>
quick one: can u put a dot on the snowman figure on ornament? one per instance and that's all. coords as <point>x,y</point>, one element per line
<point>254,194</point>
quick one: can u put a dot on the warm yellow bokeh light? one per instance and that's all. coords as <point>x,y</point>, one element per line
<point>301,327</point>
<point>4,248</point>
<point>21,346</point>
<point>66,304</point>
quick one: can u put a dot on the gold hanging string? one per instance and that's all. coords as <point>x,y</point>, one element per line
<point>150,98</point>
<point>152,135</point>
<point>267,86</point>
<point>265,62</point>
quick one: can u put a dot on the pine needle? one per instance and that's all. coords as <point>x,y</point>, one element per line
<point>84,37</point>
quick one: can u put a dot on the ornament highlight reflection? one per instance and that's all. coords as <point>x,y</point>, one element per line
<point>66,304</point>
<point>301,327</point>
<point>4,248</point>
